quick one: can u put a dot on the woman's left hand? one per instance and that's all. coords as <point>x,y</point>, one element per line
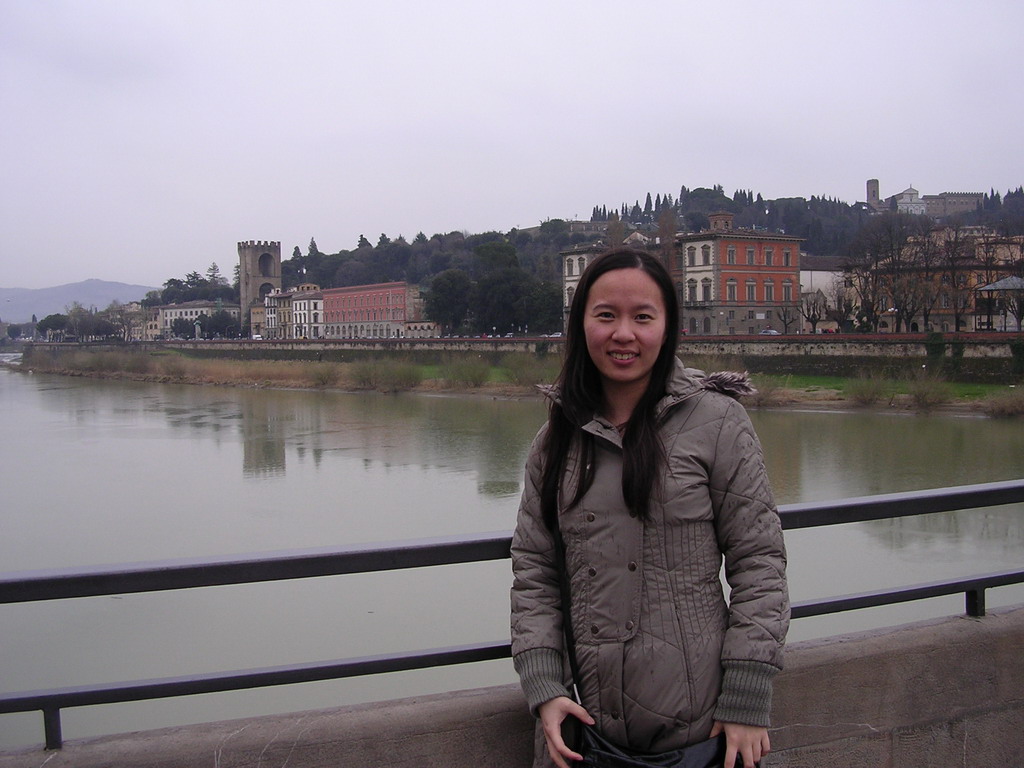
<point>747,742</point>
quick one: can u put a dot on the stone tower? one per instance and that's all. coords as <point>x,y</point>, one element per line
<point>873,199</point>
<point>259,272</point>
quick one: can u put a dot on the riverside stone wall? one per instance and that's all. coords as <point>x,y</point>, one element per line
<point>929,695</point>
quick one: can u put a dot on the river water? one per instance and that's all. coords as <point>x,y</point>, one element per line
<point>98,473</point>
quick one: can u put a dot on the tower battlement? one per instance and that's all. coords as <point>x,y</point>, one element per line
<point>259,244</point>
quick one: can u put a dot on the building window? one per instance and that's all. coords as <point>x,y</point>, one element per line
<point>787,291</point>
<point>769,256</point>
<point>691,256</point>
<point>787,257</point>
<point>750,255</point>
<point>732,314</point>
<point>705,254</point>
<point>693,325</point>
<point>691,290</point>
<point>730,291</point>
<point>582,263</point>
<point>705,290</point>
<point>751,291</point>
<point>707,325</point>
<point>769,291</point>
<point>730,255</point>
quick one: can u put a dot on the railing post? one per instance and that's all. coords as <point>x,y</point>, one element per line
<point>51,727</point>
<point>975,599</point>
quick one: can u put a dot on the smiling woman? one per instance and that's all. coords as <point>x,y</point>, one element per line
<point>646,476</point>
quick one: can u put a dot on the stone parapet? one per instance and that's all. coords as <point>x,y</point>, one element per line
<point>936,693</point>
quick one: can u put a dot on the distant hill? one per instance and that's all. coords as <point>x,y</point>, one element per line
<point>17,305</point>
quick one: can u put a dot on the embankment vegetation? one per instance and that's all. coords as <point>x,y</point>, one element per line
<point>518,374</point>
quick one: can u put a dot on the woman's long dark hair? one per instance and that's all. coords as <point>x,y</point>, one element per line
<point>580,397</point>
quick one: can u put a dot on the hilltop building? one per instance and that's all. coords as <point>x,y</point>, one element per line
<point>911,201</point>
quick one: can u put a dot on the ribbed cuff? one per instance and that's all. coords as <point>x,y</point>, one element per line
<point>540,674</point>
<point>746,696</point>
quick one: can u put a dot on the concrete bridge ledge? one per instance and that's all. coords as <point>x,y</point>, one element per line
<point>938,693</point>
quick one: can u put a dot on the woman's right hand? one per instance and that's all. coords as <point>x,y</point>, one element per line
<point>552,713</point>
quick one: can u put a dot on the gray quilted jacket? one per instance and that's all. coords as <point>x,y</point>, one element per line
<point>662,654</point>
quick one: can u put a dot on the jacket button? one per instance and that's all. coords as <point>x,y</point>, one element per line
<point>614,714</point>
<point>632,513</point>
<point>590,517</point>
<point>593,629</point>
<point>632,566</point>
<point>592,571</point>
<point>629,625</point>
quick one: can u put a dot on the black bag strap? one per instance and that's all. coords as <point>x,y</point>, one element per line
<point>567,631</point>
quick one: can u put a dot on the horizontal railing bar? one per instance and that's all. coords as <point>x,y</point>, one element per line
<point>30,586</point>
<point>139,690</point>
<point>905,504</point>
<point>27,701</point>
<point>155,576</point>
<point>878,598</point>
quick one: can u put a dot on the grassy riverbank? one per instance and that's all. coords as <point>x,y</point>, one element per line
<point>516,375</point>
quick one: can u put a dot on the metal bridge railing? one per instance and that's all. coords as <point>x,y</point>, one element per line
<point>202,572</point>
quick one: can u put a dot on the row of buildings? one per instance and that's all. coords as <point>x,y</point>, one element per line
<point>381,311</point>
<point>385,311</point>
<point>729,281</point>
<point>739,281</point>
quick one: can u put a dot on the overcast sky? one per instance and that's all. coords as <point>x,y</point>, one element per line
<point>142,139</point>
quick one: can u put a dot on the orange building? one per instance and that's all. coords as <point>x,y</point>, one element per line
<point>737,281</point>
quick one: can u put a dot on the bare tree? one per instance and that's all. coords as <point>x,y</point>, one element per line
<point>998,256</point>
<point>899,279</point>
<point>814,308</point>
<point>842,298</point>
<point>957,259</point>
<point>876,264</point>
<point>788,314</point>
<point>124,319</point>
<point>927,261</point>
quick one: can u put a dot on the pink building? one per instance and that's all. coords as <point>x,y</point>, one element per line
<point>380,311</point>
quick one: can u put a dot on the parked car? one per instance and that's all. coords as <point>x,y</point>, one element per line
<point>770,332</point>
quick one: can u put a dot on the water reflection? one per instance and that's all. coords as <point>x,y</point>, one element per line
<point>814,456</point>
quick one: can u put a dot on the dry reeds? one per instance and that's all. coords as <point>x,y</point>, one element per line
<point>1008,405</point>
